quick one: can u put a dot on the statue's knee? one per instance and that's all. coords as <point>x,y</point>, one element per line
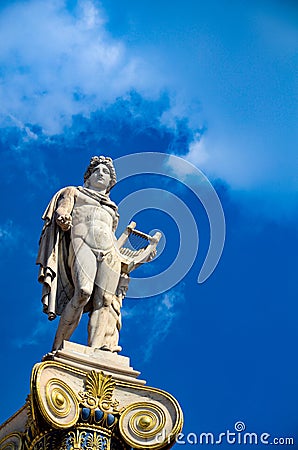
<point>84,295</point>
<point>107,299</point>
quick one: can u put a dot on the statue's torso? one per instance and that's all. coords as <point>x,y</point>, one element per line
<point>93,222</point>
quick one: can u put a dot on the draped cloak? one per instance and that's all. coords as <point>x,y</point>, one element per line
<point>54,244</point>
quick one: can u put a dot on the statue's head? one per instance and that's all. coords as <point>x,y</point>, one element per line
<point>97,161</point>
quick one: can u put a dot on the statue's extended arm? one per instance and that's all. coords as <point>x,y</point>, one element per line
<point>64,208</point>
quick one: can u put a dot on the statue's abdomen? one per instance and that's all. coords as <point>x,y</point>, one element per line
<point>93,224</point>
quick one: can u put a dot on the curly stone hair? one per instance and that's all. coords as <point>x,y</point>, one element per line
<point>94,162</point>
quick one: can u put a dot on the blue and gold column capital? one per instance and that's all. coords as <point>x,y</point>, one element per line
<point>70,408</point>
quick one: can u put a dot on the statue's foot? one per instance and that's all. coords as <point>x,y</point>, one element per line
<point>56,347</point>
<point>105,348</point>
<point>115,349</point>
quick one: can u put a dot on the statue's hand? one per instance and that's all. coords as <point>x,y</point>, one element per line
<point>64,222</point>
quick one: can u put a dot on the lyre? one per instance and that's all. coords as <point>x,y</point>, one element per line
<point>140,247</point>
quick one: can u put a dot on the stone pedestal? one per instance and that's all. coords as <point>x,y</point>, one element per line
<point>84,398</point>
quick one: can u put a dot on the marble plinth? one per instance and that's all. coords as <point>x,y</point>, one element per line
<point>88,358</point>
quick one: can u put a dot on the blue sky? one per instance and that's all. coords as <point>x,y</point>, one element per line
<point>215,84</point>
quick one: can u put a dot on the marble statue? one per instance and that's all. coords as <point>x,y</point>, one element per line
<point>82,265</point>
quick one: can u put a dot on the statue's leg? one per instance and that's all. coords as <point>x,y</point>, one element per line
<point>112,331</point>
<point>101,319</point>
<point>83,269</point>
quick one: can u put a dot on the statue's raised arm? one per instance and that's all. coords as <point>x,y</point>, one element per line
<point>83,268</point>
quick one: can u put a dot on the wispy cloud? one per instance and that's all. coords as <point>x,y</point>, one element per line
<point>164,314</point>
<point>9,235</point>
<point>41,328</point>
<point>21,126</point>
<point>158,319</point>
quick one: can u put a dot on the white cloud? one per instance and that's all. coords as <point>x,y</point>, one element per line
<point>259,167</point>
<point>55,64</point>
<point>179,167</point>
<point>198,154</point>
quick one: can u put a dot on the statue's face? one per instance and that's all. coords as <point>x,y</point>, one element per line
<point>100,178</point>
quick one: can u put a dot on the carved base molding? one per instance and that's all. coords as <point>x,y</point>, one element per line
<point>71,407</point>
